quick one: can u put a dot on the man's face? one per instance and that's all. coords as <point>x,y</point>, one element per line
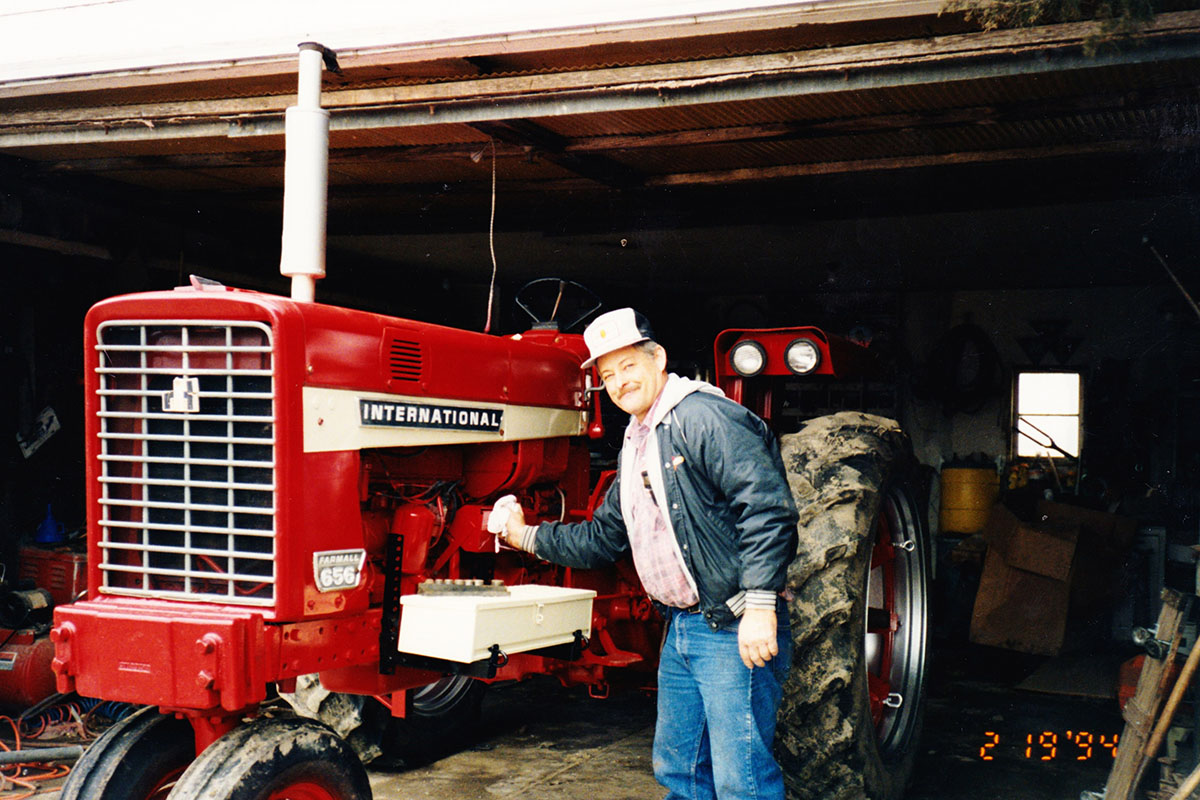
<point>633,378</point>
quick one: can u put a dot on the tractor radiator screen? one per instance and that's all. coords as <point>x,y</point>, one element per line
<point>187,461</point>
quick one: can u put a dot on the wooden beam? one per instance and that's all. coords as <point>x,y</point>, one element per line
<point>1165,103</point>
<point>52,244</point>
<point>274,158</point>
<point>1141,710</point>
<point>579,185</point>
<point>918,161</point>
<point>512,141</point>
<point>1155,107</point>
<point>553,148</point>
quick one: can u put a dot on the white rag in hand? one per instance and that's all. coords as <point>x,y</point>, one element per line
<point>498,517</point>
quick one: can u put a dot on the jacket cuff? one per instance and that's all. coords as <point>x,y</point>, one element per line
<point>761,598</point>
<point>528,538</point>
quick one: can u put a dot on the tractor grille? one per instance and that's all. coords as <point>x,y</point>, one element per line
<point>187,461</point>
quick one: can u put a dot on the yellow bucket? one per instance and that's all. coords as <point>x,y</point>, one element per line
<point>968,495</point>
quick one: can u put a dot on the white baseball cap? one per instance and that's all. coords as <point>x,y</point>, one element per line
<point>613,330</point>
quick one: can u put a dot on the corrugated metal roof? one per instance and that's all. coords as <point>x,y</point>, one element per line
<point>56,38</point>
<point>148,37</point>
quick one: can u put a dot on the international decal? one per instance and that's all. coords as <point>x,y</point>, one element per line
<point>391,414</point>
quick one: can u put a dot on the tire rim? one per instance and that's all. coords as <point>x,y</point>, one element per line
<point>303,790</point>
<point>896,622</point>
<point>163,788</point>
<point>438,697</point>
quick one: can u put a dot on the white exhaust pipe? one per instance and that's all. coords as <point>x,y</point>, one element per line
<point>305,179</point>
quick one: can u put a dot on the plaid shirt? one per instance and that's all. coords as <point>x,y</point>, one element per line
<point>655,553</point>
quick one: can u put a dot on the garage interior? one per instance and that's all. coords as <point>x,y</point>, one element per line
<point>970,204</point>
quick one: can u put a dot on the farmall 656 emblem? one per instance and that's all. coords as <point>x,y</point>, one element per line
<point>338,569</point>
<point>184,397</point>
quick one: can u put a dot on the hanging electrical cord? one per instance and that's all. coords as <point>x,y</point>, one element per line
<point>487,323</point>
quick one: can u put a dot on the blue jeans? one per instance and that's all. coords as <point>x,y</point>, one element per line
<point>716,718</point>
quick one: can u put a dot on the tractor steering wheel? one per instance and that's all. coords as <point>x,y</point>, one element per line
<point>581,295</point>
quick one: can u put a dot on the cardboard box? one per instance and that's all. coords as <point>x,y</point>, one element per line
<point>1045,583</point>
<point>1104,540</point>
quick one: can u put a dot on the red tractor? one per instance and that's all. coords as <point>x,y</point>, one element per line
<point>280,489</point>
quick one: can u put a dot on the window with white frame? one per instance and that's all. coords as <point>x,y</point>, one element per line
<point>1049,409</point>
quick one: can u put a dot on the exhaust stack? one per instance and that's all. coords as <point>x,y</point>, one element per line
<point>305,179</point>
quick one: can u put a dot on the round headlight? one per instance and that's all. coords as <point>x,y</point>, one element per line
<point>802,356</point>
<point>748,358</point>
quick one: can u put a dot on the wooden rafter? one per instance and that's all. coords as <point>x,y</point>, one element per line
<point>1169,111</point>
<point>554,148</point>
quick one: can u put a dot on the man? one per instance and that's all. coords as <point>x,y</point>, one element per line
<point>702,502</point>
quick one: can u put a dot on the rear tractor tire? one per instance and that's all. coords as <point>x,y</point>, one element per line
<point>138,758</point>
<point>853,704</point>
<point>280,758</point>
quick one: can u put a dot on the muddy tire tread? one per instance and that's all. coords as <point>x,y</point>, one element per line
<point>839,468</point>
<point>252,760</point>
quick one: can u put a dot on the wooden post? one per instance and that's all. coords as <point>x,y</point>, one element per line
<point>1142,708</point>
<point>1168,713</point>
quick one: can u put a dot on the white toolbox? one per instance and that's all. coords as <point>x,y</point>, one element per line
<point>464,627</point>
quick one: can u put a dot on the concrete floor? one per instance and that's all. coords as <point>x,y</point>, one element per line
<point>539,741</point>
<point>542,742</point>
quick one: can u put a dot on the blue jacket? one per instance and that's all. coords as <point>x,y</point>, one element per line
<point>720,482</point>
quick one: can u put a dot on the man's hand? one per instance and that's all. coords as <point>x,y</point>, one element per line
<point>756,637</point>
<point>507,522</point>
<point>514,527</point>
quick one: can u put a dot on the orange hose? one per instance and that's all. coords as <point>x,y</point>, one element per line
<point>26,782</point>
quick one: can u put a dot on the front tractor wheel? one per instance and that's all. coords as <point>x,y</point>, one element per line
<point>282,758</point>
<point>138,758</point>
<point>853,703</point>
